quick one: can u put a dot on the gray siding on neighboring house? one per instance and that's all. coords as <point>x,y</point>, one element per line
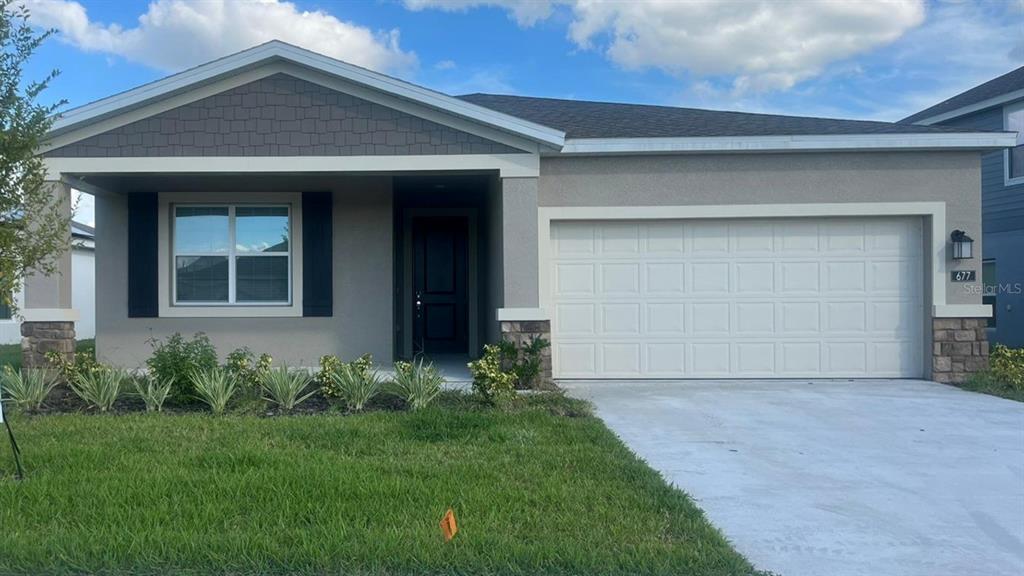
<point>776,178</point>
<point>281,116</point>
<point>363,307</point>
<point>1002,206</point>
<point>1002,210</point>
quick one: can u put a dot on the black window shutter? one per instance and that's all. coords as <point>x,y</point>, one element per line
<point>142,255</point>
<point>317,254</point>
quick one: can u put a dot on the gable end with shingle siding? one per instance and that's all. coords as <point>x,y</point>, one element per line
<point>281,115</point>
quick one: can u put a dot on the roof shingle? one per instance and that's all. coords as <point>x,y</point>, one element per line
<point>585,119</point>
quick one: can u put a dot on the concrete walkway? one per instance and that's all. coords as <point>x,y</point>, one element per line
<point>838,478</point>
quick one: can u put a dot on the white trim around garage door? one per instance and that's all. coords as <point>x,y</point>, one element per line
<point>936,211</point>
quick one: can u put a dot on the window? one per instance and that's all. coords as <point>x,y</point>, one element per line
<point>1015,155</point>
<point>5,310</point>
<point>233,254</point>
<point>990,285</point>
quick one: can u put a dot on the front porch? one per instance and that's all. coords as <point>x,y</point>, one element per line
<point>398,265</point>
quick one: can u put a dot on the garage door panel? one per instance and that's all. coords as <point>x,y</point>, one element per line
<point>710,277</point>
<point>620,279</point>
<point>760,298</point>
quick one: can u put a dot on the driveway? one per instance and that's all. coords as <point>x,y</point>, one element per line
<point>897,477</point>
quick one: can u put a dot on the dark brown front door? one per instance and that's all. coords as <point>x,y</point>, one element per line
<point>440,288</point>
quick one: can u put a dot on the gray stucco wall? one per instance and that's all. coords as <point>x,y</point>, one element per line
<point>281,116</point>
<point>362,320</point>
<point>950,177</point>
<point>519,241</point>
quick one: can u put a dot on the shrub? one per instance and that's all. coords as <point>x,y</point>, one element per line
<point>82,362</point>
<point>492,383</point>
<point>176,359</point>
<point>1007,365</point>
<point>153,391</point>
<point>28,388</point>
<point>330,366</point>
<point>417,383</point>
<point>247,370</point>
<point>215,387</point>
<point>354,383</point>
<point>524,361</point>
<point>285,387</point>
<point>100,388</point>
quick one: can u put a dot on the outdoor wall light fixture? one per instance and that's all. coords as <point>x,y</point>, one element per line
<point>963,245</point>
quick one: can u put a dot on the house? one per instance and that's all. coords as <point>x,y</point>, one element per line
<point>996,105</point>
<point>295,204</point>
<point>83,296</point>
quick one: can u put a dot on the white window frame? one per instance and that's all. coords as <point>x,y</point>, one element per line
<point>169,308</point>
<point>1007,110</point>
<point>232,254</point>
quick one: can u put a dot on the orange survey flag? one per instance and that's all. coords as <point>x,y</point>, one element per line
<point>448,526</point>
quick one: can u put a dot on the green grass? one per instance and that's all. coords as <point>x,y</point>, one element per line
<point>986,383</point>
<point>10,354</point>
<point>544,489</point>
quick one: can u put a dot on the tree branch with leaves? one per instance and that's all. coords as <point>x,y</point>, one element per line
<point>34,221</point>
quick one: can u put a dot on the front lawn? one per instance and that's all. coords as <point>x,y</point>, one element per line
<point>542,489</point>
<point>987,383</point>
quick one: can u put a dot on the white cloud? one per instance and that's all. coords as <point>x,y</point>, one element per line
<point>445,65</point>
<point>525,12</point>
<point>85,208</point>
<point>489,81</point>
<point>763,44</point>
<point>176,34</point>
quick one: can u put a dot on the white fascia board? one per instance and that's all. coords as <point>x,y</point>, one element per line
<point>953,140</point>
<point>254,56</point>
<point>522,315</point>
<point>50,314</point>
<point>962,311</point>
<point>976,107</point>
<point>507,165</point>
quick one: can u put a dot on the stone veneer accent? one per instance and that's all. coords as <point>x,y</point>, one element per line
<point>960,348</point>
<point>38,338</point>
<point>521,332</point>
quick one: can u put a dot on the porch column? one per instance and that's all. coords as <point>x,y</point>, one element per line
<point>521,318</point>
<point>49,320</point>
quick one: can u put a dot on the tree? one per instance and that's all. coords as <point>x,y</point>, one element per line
<point>34,228</point>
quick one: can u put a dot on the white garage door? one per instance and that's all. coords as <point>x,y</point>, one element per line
<point>826,297</point>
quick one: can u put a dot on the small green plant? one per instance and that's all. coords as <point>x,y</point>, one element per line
<point>27,388</point>
<point>153,391</point>
<point>100,389</point>
<point>417,383</point>
<point>286,388</point>
<point>247,369</point>
<point>354,383</point>
<point>82,362</point>
<point>524,361</point>
<point>491,382</point>
<point>330,366</point>
<point>215,387</point>
<point>1007,365</point>
<point>176,359</point>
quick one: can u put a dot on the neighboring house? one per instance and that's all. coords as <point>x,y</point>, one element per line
<point>996,105</point>
<point>288,202</point>
<point>83,289</point>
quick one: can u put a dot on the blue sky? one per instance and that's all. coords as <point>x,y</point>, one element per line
<point>872,59</point>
